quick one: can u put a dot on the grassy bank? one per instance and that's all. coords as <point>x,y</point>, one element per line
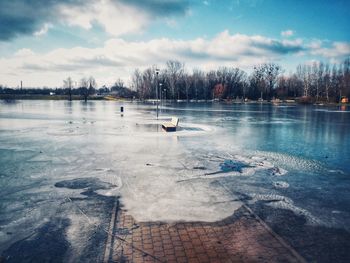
<point>44,97</point>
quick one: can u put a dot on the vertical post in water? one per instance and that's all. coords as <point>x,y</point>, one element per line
<point>157,72</point>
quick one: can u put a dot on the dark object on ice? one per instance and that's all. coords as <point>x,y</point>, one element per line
<point>82,183</point>
<point>122,109</point>
<point>232,166</point>
<point>171,126</point>
<point>199,168</point>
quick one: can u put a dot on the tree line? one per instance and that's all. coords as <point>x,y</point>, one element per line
<point>318,82</point>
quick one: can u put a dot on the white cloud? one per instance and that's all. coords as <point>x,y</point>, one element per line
<point>315,44</point>
<point>335,51</point>
<point>287,33</point>
<point>24,52</point>
<point>116,18</point>
<point>43,30</point>
<point>118,57</point>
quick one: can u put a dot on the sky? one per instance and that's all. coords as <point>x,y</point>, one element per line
<point>42,42</point>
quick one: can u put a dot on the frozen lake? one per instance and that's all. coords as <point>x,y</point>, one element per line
<point>63,164</point>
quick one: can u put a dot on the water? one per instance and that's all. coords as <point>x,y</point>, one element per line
<point>63,164</point>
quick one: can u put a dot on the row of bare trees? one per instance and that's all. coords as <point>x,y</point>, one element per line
<point>87,86</point>
<point>319,81</point>
<point>80,90</point>
<point>323,81</point>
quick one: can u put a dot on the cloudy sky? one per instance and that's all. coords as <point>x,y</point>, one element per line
<point>43,42</point>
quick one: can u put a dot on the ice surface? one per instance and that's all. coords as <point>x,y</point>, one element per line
<point>68,162</point>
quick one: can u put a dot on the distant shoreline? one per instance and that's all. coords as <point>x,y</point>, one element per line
<point>49,97</point>
<point>11,97</point>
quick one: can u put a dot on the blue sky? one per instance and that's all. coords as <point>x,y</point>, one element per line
<point>44,41</point>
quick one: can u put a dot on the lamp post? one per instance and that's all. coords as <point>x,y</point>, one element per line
<point>160,91</point>
<point>157,72</point>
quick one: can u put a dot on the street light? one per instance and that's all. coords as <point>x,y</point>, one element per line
<point>157,72</point>
<point>160,91</point>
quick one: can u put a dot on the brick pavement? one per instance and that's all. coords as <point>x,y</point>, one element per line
<point>241,237</point>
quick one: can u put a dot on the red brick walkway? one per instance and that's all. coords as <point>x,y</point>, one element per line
<point>240,238</point>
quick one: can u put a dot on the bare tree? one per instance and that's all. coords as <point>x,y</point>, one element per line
<point>119,83</point>
<point>335,85</point>
<point>346,76</point>
<point>198,84</point>
<point>175,70</point>
<point>68,85</point>
<point>84,83</point>
<point>304,73</point>
<point>137,83</point>
<point>257,80</point>
<point>188,81</point>
<point>235,82</point>
<point>87,87</point>
<point>92,83</point>
<point>314,80</point>
<point>150,82</point>
<point>271,73</point>
<point>320,78</point>
<point>327,80</point>
<point>295,86</point>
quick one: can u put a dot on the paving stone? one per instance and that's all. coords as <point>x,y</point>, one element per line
<point>239,238</point>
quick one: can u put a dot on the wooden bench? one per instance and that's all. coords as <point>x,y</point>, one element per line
<point>171,126</point>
